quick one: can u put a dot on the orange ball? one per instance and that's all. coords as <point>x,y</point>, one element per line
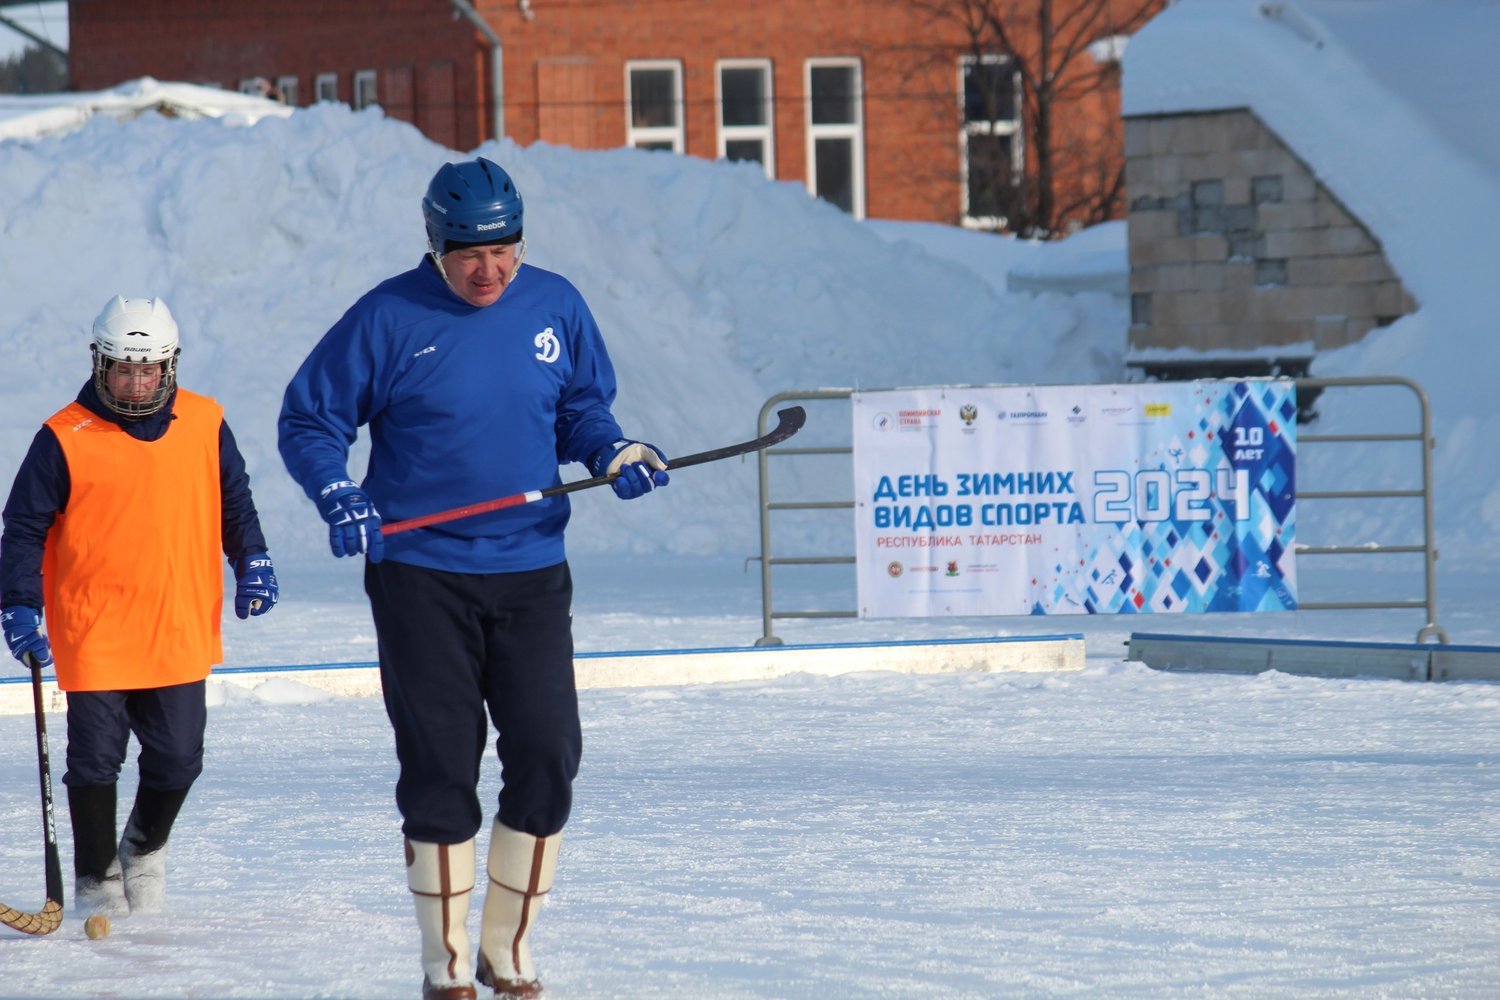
<point>96,926</point>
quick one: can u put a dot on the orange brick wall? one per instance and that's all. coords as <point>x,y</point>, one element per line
<point>899,136</point>
<point>565,71</point>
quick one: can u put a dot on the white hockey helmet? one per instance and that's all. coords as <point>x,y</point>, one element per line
<point>137,332</point>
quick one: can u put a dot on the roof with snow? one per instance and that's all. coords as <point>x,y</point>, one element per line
<point>32,115</point>
<point>1394,105</point>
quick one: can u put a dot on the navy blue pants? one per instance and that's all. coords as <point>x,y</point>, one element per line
<point>168,722</point>
<point>453,645</point>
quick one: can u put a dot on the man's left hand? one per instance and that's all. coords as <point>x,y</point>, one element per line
<point>642,467</point>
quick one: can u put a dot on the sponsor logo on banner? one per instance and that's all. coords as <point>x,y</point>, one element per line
<point>1029,418</point>
<point>1158,409</point>
<point>915,420</point>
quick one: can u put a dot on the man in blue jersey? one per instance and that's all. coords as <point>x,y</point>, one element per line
<point>477,377</point>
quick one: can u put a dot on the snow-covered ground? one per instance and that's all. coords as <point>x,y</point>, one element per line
<point>1113,832</point>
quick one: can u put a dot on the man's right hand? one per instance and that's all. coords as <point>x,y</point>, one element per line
<point>23,634</point>
<point>353,521</point>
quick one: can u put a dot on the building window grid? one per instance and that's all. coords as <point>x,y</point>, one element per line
<point>653,109</point>
<point>326,87</point>
<point>364,89</point>
<point>978,125</point>
<point>283,90</point>
<point>747,127</point>
<point>834,105</point>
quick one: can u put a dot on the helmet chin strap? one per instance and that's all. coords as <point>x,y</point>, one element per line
<point>437,260</point>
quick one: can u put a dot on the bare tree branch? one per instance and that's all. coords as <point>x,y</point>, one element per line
<point>1072,173</point>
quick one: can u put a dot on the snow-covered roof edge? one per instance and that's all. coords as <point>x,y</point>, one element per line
<point>1297,76</point>
<point>33,115</point>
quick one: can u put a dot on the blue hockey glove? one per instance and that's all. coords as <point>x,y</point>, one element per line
<point>23,634</point>
<point>353,521</point>
<point>255,591</point>
<point>642,467</point>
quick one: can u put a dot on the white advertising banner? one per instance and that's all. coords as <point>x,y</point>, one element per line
<point>1093,499</point>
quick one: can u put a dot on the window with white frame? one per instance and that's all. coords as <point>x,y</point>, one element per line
<point>255,86</point>
<point>326,87</point>
<point>990,142</point>
<point>746,127</point>
<point>653,114</point>
<point>364,89</point>
<point>287,87</point>
<point>835,133</point>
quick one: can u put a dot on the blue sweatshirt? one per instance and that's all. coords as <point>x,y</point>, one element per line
<point>464,405</point>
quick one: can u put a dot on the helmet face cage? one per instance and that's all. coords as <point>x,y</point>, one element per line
<point>473,202</point>
<point>133,409</point>
<point>135,332</point>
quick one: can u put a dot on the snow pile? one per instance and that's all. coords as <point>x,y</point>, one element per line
<point>717,289</point>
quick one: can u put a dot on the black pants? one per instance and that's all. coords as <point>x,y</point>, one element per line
<point>452,645</point>
<point>168,721</point>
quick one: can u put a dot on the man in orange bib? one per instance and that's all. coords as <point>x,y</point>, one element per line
<point>114,525</point>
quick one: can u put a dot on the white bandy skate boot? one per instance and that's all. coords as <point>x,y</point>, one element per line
<point>104,894</point>
<point>441,879</point>
<point>143,847</point>
<point>521,869</point>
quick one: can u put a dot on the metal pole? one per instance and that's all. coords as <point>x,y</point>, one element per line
<point>763,467</point>
<point>1430,534</point>
<point>497,62</point>
<point>1431,629</point>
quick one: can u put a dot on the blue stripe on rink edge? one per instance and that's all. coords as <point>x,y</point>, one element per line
<point>789,648</point>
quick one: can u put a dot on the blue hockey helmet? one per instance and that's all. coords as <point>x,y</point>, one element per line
<point>471,203</point>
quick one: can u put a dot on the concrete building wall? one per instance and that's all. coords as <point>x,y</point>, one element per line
<point>1235,247</point>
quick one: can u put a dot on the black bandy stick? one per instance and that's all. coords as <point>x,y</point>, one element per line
<point>789,422</point>
<point>50,917</point>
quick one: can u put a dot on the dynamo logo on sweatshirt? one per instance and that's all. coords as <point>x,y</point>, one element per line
<point>548,348</point>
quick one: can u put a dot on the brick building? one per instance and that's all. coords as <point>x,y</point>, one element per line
<point>875,105</point>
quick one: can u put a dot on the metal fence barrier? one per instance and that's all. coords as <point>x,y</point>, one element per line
<point>1422,437</point>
